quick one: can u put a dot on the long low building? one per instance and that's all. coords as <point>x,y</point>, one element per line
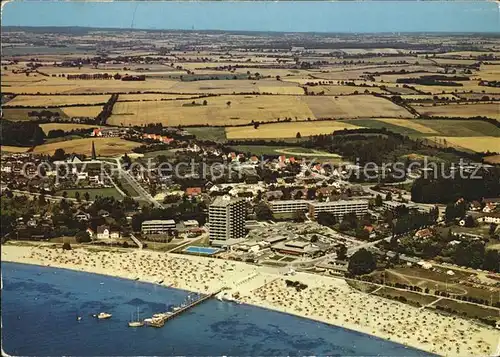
<point>158,226</point>
<point>288,206</point>
<point>339,208</point>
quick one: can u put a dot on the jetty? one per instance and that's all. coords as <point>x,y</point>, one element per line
<point>160,321</point>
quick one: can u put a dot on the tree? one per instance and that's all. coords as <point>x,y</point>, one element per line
<point>469,221</point>
<point>326,219</point>
<point>66,246</point>
<point>77,196</point>
<point>492,260</point>
<point>493,228</point>
<point>228,103</point>
<point>205,102</point>
<point>86,195</point>
<point>298,136</point>
<point>59,155</point>
<point>65,194</point>
<point>82,237</point>
<point>388,197</point>
<point>378,200</point>
<point>299,216</point>
<point>263,212</point>
<point>361,262</point>
<point>341,252</point>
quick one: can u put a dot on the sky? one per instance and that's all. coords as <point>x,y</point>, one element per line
<point>283,16</point>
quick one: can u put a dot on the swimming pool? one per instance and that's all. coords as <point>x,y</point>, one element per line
<point>201,250</point>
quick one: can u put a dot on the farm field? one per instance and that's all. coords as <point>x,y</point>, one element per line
<point>57,100</point>
<point>241,110</point>
<point>217,134</point>
<point>356,106</point>
<point>411,124</point>
<point>13,149</point>
<point>431,127</point>
<point>460,110</point>
<point>64,126</point>
<point>87,111</point>
<point>343,90</point>
<point>153,97</point>
<point>281,150</point>
<point>493,159</point>
<point>103,146</point>
<point>478,143</point>
<point>18,114</point>
<point>287,130</point>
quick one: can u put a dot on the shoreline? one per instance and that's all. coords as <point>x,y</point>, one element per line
<point>265,287</point>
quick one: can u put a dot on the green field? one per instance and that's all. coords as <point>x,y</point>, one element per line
<point>459,128</point>
<point>18,114</point>
<point>282,150</point>
<point>93,192</point>
<point>217,134</point>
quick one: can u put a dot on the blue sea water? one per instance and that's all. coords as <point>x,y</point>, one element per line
<point>40,306</point>
<point>286,16</point>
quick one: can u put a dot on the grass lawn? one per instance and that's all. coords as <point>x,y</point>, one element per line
<point>209,133</point>
<point>93,192</point>
<point>62,138</point>
<point>411,297</point>
<point>153,154</point>
<point>296,151</point>
<point>469,309</point>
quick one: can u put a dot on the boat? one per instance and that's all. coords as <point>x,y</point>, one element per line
<point>104,315</point>
<point>136,323</point>
<point>78,318</point>
<point>156,322</point>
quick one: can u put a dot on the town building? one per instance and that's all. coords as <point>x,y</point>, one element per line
<point>288,206</point>
<point>158,226</point>
<point>338,208</point>
<point>226,218</point>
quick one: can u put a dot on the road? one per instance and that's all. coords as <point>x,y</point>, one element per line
<point>143,194</point>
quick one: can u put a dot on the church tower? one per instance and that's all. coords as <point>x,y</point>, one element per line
<point>94,156</point>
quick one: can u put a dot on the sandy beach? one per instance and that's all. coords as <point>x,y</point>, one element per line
<point>326,299</point>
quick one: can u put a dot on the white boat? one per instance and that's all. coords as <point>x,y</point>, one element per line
<point>137,322</point>
<point>104,315</point>
<point>79,318</point>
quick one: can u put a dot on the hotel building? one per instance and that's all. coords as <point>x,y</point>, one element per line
<point>158,226</point>
<point>338,208</point>
<point>226,218</point>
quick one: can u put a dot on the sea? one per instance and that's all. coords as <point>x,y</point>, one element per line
<point>279,16</point>
<point>40,306</point>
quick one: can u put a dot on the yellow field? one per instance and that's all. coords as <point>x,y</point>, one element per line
<point>13,149</point>
<point>91,111</point>
<point>63,126</point>
<point>410,124</point>
<point>356,106</point>
<point>428,96</point>
<point>152,96</point>
<point>340,90</point>
<point>474,143</point>
<point>466,88</point>
<point>461,110</point>
<point>243,110</point>
<point>41,101</point>
<point>493,159</point>
<point>61,85</point>
<point>103,146</point>
<point>287,130</point>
